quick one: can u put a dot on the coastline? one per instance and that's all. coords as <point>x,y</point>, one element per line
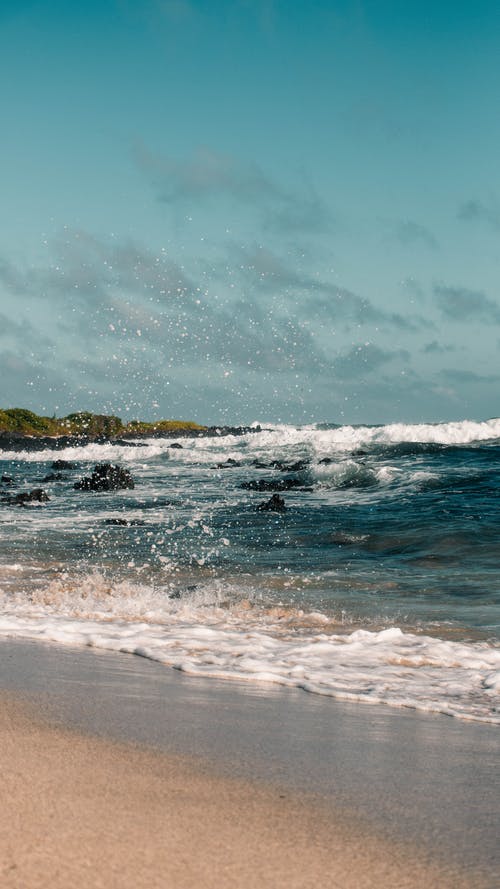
<point>18,441</point>
<point>209,781</point>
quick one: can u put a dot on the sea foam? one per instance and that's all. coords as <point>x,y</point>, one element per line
<point>202,636</point>
<point>319,439</point>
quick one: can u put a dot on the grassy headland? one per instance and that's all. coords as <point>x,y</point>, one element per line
<point>19,421</point>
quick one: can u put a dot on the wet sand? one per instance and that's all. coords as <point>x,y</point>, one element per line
<point>119,772</point>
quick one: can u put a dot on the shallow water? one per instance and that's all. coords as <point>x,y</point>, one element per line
<point>379,582</point>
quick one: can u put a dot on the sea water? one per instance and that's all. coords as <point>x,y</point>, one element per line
<point>379,582</point>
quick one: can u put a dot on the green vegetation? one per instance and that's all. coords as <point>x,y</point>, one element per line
<point>92,425</point>
<point>16,419</point>
<point>24,422</point>
<point>162,426</point>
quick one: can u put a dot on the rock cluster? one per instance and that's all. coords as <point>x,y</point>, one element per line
<point>274,504</point>
<point>105,477</point>
<point>123,523</point>
<point>298,466</point>
<point>37,495</point>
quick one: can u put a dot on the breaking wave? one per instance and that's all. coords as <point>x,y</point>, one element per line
<point>218,631</point>
<point>318,439</point>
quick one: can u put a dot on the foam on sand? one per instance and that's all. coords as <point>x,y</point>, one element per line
<point>217,633</point>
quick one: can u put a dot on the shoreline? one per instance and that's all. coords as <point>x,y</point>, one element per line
<point>16,441</point>
<point>406,799</point>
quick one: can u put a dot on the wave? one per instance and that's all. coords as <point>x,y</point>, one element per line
<point>317,440</point>
<point>219,632</point>
<point>406,438</point>
<point>352,474</point>
<point>104,452</point>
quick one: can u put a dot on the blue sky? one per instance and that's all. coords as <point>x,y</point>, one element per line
<point>255,209</point>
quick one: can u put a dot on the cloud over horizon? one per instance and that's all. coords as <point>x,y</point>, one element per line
<point>475,210</point>
<point>131,319</point>
<point>254,329</point>
<point>410,233</point>
<point>211,175</point>
<point>462,304</point>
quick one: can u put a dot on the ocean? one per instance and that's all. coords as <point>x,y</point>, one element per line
<point>377,581</point>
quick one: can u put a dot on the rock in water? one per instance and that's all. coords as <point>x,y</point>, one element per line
<point>37,495</point>
<point>299,466</point>
<point>105,477</point>
<point>275,504</point>
<point>124,523</point>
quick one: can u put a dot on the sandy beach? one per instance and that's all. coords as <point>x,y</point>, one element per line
<point>119,773</point>
<point>82,812</point>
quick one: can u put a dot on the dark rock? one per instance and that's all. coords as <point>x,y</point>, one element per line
<point>129,444</point>
<point>176,445</point>
<point>6,480</point>
<point>215,431</point>
<point>37,495</point>
<point>177,594</point>
<point>62,464</point>
<point>53,477</point>
<point>105,477</point>
<point>298,466</point>
<point>273,484</point>
<point>228,464</point>
<point>275,504</point>
<point>127,523</point>
<point>326,460</point>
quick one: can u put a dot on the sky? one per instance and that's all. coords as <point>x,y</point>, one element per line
<point>251,210</point>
